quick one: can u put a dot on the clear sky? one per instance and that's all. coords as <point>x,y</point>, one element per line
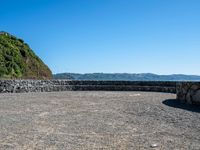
<point>111,36</point>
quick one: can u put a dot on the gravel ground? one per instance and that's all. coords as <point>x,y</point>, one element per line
<point>97,120</point>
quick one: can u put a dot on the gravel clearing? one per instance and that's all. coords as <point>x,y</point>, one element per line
<point>85,120</point>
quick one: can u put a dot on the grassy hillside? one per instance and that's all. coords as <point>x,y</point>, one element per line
<point>17,60</point>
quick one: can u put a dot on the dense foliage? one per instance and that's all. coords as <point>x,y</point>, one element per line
<point>17,60</point>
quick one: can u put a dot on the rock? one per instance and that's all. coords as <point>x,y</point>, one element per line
<point>154,145</point>
<point>188,98</point>
<point>189,92</point>
<point>196,97</point>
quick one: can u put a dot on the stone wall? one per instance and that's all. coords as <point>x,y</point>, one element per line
<point>20,86</point>
<point>189,92</point>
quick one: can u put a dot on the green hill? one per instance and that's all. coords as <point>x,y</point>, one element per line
<point>18,61</point>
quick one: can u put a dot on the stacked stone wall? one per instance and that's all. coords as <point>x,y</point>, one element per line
<point>20,86</point>
<point>188,92</point>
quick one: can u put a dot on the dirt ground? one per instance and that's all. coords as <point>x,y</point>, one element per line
<point>97,120</point>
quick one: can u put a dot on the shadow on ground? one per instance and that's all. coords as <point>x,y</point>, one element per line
<point>177,104</point>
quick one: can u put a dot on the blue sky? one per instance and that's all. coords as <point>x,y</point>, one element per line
<point>132,36</point>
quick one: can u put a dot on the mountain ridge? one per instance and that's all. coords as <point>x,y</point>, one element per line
<point>126,77</point>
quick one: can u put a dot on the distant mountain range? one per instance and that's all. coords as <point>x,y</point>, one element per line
<point>126,77</point>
